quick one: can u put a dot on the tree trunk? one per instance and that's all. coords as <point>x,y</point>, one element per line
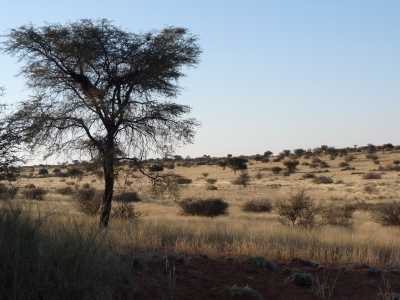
<point>108,168</point>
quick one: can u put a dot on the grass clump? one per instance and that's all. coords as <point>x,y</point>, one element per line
<point>257,206</point>
<point>211,207</point>
<point>235,291</point>
<point>61,261</point>
<point>260,261</point>
<point>126,211</point>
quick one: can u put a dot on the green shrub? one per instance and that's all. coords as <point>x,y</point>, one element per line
<point>211,207</point>
<point>34,194</point>
<point>257,206</point>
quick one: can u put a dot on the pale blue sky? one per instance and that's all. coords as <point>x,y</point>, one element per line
<point>274,75</point>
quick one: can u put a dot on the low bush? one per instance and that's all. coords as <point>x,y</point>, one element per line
<point>340,216</point>
<point>276,170</point>
<point>258,175</point>
<point>387,214</point>
<point>211,180</point>
<point>242,179</point>
<point>322,180</point>
<point>371,175</point>
<point>308,175</point>
<point>349,158</point>
<point>88,201</point>
<point>65,190</point>
<point>343,164</point>
<point>127,197</point>
<point>184,180</point>
<point>211,207</point>
<point>126,211</point>
<point>323,164</point>
<point>265,160</point>
<point>34,194</point>
<point>257,206</point>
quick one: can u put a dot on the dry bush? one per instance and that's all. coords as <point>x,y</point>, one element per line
<point>242,179</point>
<point>308,175</point>
<point>371,175</point>
<point>30,186</point>
<point>370,188</point>
<point>34,194</point>
<point>126,211</point>
<point>265,160</point>
<point>205,174</point>
<point>349,158</point>
<point>276,170</point>
<point>184,180</point>
<point>259,175</point>
<point>296,208</point>
<point>323,164</point>
<point>211,207</point>
<point>88,201</point>
<point>340,216</point>
<point>316,160</point>
<point>322,180</point>
<point>127,197</point>
<point>65,190</point>
<point>211,187</point>
<point>343,164</point>
<point>86,185</point>
<point>257,206</point>
<point>387,214</point>
<point>211,181</point>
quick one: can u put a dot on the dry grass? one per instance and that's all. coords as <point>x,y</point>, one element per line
<point>241,234</point>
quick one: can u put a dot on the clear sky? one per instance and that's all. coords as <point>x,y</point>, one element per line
<point>274,75</point>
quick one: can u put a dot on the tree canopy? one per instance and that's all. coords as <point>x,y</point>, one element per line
<point>105,91</point>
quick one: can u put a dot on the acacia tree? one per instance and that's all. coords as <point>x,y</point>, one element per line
<point>101,89</point>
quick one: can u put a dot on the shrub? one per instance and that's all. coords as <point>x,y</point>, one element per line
<point>371,175</point>
<point>70,183</point>
<point>34,194</point>
<point>211,187</point>
<point>349,158</point>
<point>296,208</point>
<point>65,190</point>
<point>127,197</point>
<point>30,186</point>
<point>308,175</point>
<point>88,201</point>
<point>370,189</point>
<point>258,175</point>
<point>205,174</point>
<point>265,160</point>
<point>211,207</point>
<point>126,211</point>
<point>257,206</point>
<point>43,172</point>
<point>276,170</point>
<point>323,164</point>
<point>156,168</point>
<point>396,162</point>
<point>322,180</point>
<point>170,166</point>
<point>86,185</point>
<point>7,193</point>
<point>75,172</point>
<point>291,165</point>
<point>340,216</point>
<point>343,164</point>
<point>242,179</point>
<point>387,214</point>
<point>184,180</point>
<point>211,181</point>
<point>316,160</point>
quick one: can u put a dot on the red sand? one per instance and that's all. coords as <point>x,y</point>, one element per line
<point>207,278</point>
